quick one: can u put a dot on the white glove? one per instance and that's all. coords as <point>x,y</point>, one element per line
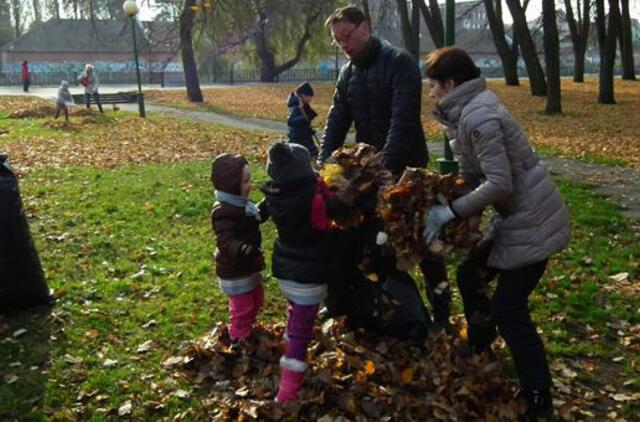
<point>438,216</point>
<point>381,238</point>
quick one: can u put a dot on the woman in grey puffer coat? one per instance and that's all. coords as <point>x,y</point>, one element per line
<point>530,224</point>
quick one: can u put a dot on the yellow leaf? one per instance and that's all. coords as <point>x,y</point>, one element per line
<point>407,375</point>
<point>369,367</point>
<point>91,333</point>
<point>373,277</point>
<point>463,333</point>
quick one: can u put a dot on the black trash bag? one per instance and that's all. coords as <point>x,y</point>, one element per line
<point>391,308</point>
<point>22,282</point>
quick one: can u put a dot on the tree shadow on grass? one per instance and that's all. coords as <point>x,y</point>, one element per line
<point>25,345</point>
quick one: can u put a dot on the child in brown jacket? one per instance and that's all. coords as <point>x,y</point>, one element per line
<point>238,256</point>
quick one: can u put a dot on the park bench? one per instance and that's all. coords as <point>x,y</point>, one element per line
<point>109,98</point>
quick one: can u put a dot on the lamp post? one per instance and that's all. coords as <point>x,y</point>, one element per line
<point>131,9</point>
<point>449,164</point>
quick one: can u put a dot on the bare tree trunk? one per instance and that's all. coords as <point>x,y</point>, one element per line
<point>37,11</point>
<point>537,81</point>
<point>266,57</point>
<point>579,31</point>
<point>55,9</point>
<point>551,57</point>
<point>16,9</point>
<point>626,43</point>
<point>433,18</point>
<point>410,27</point>
<point>508,56</point>
<point>607,39</point>
<point>268,68</point>
<point>415,29</point>
<point>194,94</point>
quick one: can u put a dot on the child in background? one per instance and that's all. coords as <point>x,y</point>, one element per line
<point>300,116</point>
<point>304,258</point>
<point>238,256</point>
<point>63,100</point>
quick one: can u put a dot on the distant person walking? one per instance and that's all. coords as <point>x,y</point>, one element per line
<point>63,100</point>
<point>89,80</point>
<point>26,76</point>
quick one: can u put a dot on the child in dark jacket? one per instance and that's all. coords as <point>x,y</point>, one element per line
<point>238,256</point>
<point>304,258</point>
<point>300,116</point>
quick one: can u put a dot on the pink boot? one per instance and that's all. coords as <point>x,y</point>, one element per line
<point>258,301</point>
<point>291,378</point>
<point>241,315</point>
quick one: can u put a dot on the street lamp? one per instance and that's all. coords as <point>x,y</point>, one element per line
<point>449,164</point>
<point>131,9</point>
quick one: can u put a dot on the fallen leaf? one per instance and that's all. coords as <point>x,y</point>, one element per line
<point>10,378</point>
<point>72,359</point>
<point>91,333</point>
<point>369,367</point>
<point>145,347</point>
<point>125,409</point>
<point>109,363</point>
<point>19,332</point>
<point>620,277</point>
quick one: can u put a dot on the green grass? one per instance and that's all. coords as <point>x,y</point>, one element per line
<point>96,231</point>
<point>587,158</point>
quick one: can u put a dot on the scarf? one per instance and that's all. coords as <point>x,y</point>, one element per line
<point>250,208</point>
<point>319,216</point>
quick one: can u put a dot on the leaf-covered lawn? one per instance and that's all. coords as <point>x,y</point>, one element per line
<point>114,138</point>
<point>127,249</point>
<point>606,133</point>
<point>128,252</point>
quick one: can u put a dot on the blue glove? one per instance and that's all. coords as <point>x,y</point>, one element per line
<point>438,216</point>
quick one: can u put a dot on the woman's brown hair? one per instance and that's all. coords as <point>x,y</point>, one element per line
<point>451,63</point>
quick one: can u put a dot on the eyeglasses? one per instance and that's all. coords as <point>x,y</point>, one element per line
<point>344,39</point>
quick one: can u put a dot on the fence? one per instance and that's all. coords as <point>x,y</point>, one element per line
<point>54,78</point>
<point>231,76</point>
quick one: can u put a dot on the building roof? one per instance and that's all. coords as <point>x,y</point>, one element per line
<point>97,36</point>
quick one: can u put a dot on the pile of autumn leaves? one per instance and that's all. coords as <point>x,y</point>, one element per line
<point>358,176</point>
<point>359,374</point>
<point>351,374</point>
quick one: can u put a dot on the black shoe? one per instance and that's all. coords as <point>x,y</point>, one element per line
<point>539,405</point>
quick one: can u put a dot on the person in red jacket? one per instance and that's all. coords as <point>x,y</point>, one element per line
<point>26,76</point>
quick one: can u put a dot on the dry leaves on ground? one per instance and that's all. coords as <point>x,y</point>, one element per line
<point>104,141</point>
<point>351,374</point>
<point>585,128</point>
<point>255,101</point>
<point>359,375</point>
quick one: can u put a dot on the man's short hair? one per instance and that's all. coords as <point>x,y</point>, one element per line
<point>451,63</point>
<point>348,13</point>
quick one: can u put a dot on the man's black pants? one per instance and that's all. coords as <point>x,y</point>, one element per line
<point>436,283</point>
<point>508,310</point>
